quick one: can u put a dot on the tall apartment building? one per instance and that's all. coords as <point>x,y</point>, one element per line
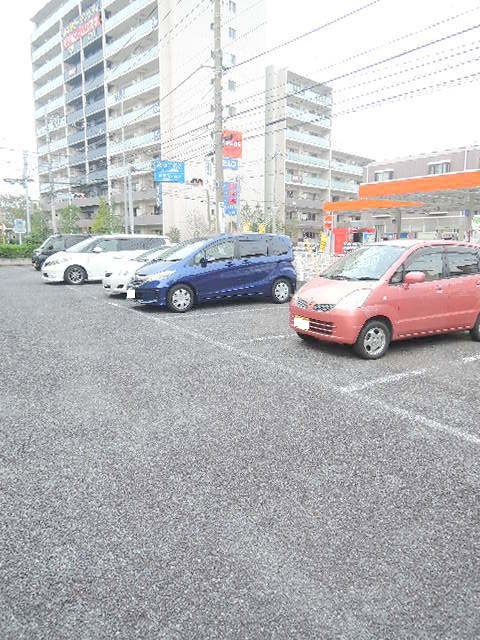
<point>302,171</point>
<point>431,223</point>
<point>118,83</point>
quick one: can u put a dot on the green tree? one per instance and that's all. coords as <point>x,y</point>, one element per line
<point>68,218</point>
<point>106,221</point>
<point>245,215</point>
<point>174,234</point>
<point>39,226</point>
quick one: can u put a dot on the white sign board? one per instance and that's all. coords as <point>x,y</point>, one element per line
<point>19,226</point>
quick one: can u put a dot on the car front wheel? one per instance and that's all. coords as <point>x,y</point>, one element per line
<point>281,290</point>
<point>180,298</point>
<point>373,340</point>
<point>475,331</point>
<point>75,275</point>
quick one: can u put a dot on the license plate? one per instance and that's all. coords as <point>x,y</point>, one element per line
<point>301,323</point>
<point>130,294</point>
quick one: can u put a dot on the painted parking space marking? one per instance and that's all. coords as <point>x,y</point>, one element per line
<point>267,337</point>
<point>385,380</point>
<point>471,358</point>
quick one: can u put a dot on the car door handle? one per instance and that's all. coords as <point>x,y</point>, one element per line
<point>245,261</point>
<point>439,289</point>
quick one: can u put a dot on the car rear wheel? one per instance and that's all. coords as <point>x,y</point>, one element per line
<point>373,340</point>
<point>281,290</point>
<point>75,275</point>
<point>475,331</point>
<point>180,298</point>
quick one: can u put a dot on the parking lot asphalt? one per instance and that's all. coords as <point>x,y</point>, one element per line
<point>210,475</point>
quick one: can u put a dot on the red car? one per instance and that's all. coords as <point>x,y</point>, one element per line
<point>392,291</point>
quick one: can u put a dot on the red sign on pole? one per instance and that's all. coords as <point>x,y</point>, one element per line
<point>232,144</point>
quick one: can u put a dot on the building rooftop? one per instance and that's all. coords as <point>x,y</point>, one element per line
<point>440,152</point>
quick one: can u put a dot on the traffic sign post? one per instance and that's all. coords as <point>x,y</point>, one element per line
<point>19,228</point>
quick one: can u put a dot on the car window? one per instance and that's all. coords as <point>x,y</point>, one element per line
<point>462,261</point>
<point>253,247</point>
<point>73,240</point>
<point>107,244</point>
<point>277,246</point>
<point>220,251</point>
<point>428,261</point>
<point>57,244</point>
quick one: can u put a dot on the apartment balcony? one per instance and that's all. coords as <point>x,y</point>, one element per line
<point>67,6</point>
<point>52,105</point>
<point>54,124</point>
<point>307,138</point>
<point>47,88</point>
<point>134,90</point>
<point>54,41</point>
<point>148,221</point>
<point>96,130</point>
<point>53,146</point>
<point>304,203</point>
<point>47,67</point>
<point>72,72</point>
<point>75,138</point>
<point>95,83</point>
<point>309,95</point>
<point>56,164</point>
<point>312,118</point>
<point>142,195</point>
<point>98,175</point>
<point>138,115</point>
<point>75,116</point>
<point>73,94</point>
<point>306,160</point>
<point>346,186</point>
<point>72,51</point>
<point>137,142</point>
<point>118,171</point>
<point>132,36</point>
<point>307,181</point>
<point>77,158</point>
<point>343,167</point>
<point>92,60</point>
<point>132,63</point>
<point>97,153</point>
<point>310,225</point>
<point>125,14</point>
<point>95,107</point>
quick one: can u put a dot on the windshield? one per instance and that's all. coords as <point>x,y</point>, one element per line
<point>153,254</point>
<point>46,242</point>
<point>368,263</point>
<point>181,251</point>
<point>81,246</point>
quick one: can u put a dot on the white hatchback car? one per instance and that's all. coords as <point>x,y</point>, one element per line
<point>88,260</point>
<point>120,271</point>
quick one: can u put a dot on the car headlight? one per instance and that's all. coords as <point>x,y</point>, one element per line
<point>353,300</point>
<point>50,261</point>
<point>161,275</point>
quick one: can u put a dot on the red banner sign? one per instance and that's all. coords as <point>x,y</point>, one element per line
<point>232,144</point>
<point>80,28</point>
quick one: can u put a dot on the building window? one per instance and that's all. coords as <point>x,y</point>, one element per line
<point>231,85</point>
<point>232,6</point>
<point>311,216</point>
<point>383,176</point>
<point>438,167</point>
<point>232,34</point>
<point>233,59</point>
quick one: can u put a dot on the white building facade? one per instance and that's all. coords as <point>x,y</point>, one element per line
<point>119,83</point>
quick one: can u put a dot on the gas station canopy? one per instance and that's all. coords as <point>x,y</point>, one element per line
<point>442,192</point>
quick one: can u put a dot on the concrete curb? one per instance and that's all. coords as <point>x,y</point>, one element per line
<point>15,262</point>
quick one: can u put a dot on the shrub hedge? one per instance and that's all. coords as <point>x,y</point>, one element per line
<point>17,250</point>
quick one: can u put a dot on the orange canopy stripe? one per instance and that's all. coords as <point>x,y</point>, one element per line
<point>410,186</point>
<point>360,205</point>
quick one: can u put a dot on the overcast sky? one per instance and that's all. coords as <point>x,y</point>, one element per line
<point>422,118</point>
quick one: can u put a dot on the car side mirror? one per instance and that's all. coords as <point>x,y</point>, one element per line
<point>413,277</point>
<point>97,249</point>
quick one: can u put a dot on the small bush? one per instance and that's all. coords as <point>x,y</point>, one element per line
<point>17,250</point>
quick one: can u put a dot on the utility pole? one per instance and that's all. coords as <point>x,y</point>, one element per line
<point>50,178</point>
<point>218,126</point>
<point>25,186</point>
<point>130,200</point>
<point>125,205</point>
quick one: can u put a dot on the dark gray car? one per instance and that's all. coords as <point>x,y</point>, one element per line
<point>57,242</point>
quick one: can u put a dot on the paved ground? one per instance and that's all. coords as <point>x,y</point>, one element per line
<point>212,476</point>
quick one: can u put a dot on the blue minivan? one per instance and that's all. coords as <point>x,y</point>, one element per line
<point>226,266</point>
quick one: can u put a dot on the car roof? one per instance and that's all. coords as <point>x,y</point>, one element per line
<point>407,244</point>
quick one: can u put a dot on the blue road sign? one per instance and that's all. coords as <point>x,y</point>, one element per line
<point>230,163</point>
<point>168,171</point>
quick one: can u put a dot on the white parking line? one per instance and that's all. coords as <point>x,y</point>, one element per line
<point>471,358</point>
<point>385,380</point>
<point>263,338</point>
<point>315,382</point>
<point>193,316</point>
